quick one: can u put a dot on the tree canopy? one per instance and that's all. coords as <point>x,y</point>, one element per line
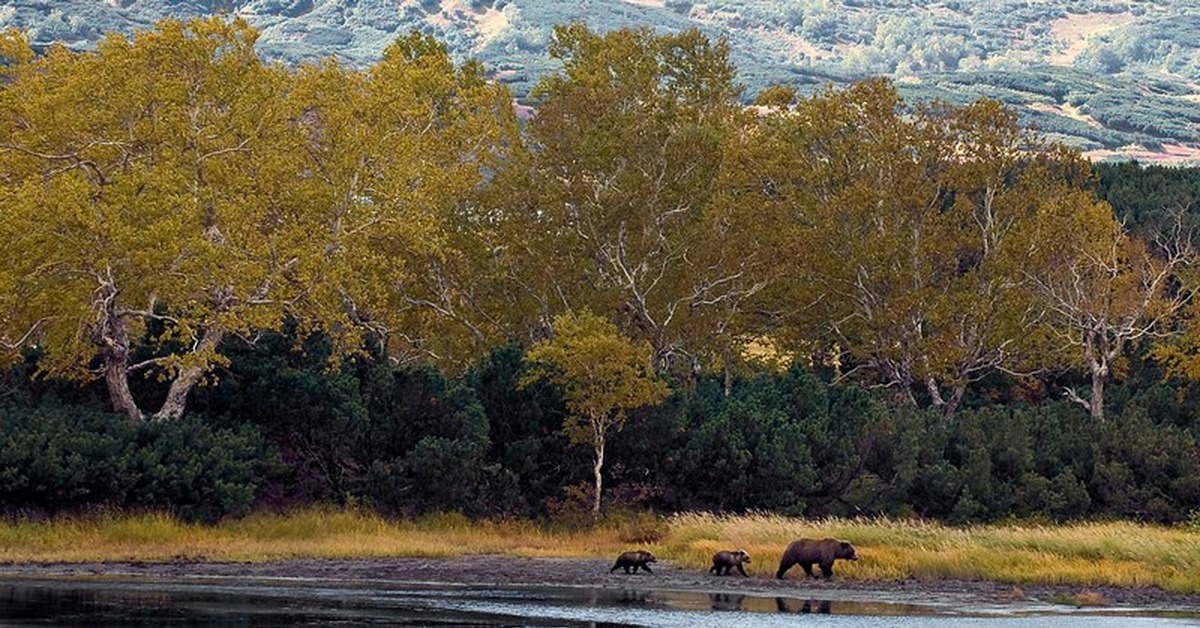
<point>168,195</point>
<point>175,186</point>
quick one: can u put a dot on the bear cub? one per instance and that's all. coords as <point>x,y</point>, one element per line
<point>724,561</point>
<point>633,560</point>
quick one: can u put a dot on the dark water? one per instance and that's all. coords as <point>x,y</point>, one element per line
<point>222,602</point>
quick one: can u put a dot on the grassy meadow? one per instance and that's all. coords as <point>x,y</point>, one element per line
<point>1088,554</point>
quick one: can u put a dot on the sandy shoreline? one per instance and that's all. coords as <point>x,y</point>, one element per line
<point>506,571</point>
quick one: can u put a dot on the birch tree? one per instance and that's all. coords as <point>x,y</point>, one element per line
<point>904,232</point>
<point>1107,289</point>
<point>601,375</point>
<point>627,147</point>
<point>128,195</point>
<point>173,190</point>
<point>385,170</point>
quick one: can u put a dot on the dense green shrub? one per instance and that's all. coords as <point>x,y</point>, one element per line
<point>785,442</point>
<point>58,459</point>
<point>405,440</point>
<point>412,440</point>
<point>524,425</point>
<point>1144,195</point>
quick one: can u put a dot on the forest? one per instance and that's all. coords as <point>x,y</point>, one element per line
<point>233,286</point>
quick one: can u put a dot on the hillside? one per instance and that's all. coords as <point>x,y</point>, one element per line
<point>1112,77</point>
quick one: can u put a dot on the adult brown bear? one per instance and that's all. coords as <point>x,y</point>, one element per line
<point>805,552</point>
<point>724,561</point>
<point>635,560</point>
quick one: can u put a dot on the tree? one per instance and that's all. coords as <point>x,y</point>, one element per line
<point>131,205</point>
<point>384,176</point>
<point>625,154</point>
<point>1108,289</point>
<point>600,373</point>
<point>900,234</point>
<point>176,190</point>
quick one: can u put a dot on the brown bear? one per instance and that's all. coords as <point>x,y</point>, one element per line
<point>805,552</point>
<point>634,560</point>
<point>724,561</point>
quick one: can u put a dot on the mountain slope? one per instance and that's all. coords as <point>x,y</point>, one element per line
<point>1108,76</point>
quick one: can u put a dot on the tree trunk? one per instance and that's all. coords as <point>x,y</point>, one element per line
<point>113,339</point>
<point>1096,401</point>
<point>186,379</point>
<point>901,380</point>
<point>599,447</point>
<point>727,365</point>
<point>116,377</point>
<point>947,406</point>
<point>952,404</point>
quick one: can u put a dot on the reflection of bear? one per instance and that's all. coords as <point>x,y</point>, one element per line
<point>726,601</point>
<point>634,560</point>
<point>824,607</point>
<point>805,552</point>
<point>724,561</point>
<point>638,598</point>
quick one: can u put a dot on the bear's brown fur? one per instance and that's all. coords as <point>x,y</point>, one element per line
<point>805,552</point>
<point>635,560</point>
<point>724,561</point>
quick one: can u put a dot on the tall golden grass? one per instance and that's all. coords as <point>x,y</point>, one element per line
<point>1090,554</point>
<point>1113,553</point>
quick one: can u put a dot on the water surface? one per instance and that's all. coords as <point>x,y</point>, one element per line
<point>219,602</point>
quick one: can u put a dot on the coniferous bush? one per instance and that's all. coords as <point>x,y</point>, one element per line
<point>56,459</point>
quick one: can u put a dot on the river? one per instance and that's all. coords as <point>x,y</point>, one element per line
<point>219,602</point>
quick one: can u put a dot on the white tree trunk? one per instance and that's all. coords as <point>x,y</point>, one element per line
<point>599,447</point>
<point>186,379</point>
<point>1096,402</point>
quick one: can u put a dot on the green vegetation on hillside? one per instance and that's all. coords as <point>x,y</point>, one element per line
<point>1133,66</point>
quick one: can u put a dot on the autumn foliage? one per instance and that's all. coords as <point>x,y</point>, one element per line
<point>180,218</point>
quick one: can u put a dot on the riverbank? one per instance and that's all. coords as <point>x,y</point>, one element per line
<point>1080,558</point>
<point>512,571</point>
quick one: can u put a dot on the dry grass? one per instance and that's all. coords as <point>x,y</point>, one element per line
<point>318,532</point>
<point>1094,554</point>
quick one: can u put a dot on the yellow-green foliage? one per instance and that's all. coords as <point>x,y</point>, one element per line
<point>1093,554</point>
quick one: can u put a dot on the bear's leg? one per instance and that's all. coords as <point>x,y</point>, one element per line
<point>615,567</point>
<point>644,566</point>
<point>808,569</point>
<point>627,569</point>
<point>784,565</point>
<point>742,570</point>
<point>827,570</point>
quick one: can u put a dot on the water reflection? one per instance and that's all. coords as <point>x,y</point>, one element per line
<point>726,601</point>
<point>627,596</point>
<point>227,602</point>
<point>824,607</point>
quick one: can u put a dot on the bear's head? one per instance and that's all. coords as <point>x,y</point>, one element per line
<point>647,557</point>
<point>845,551</point>
<point>741,556</point>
